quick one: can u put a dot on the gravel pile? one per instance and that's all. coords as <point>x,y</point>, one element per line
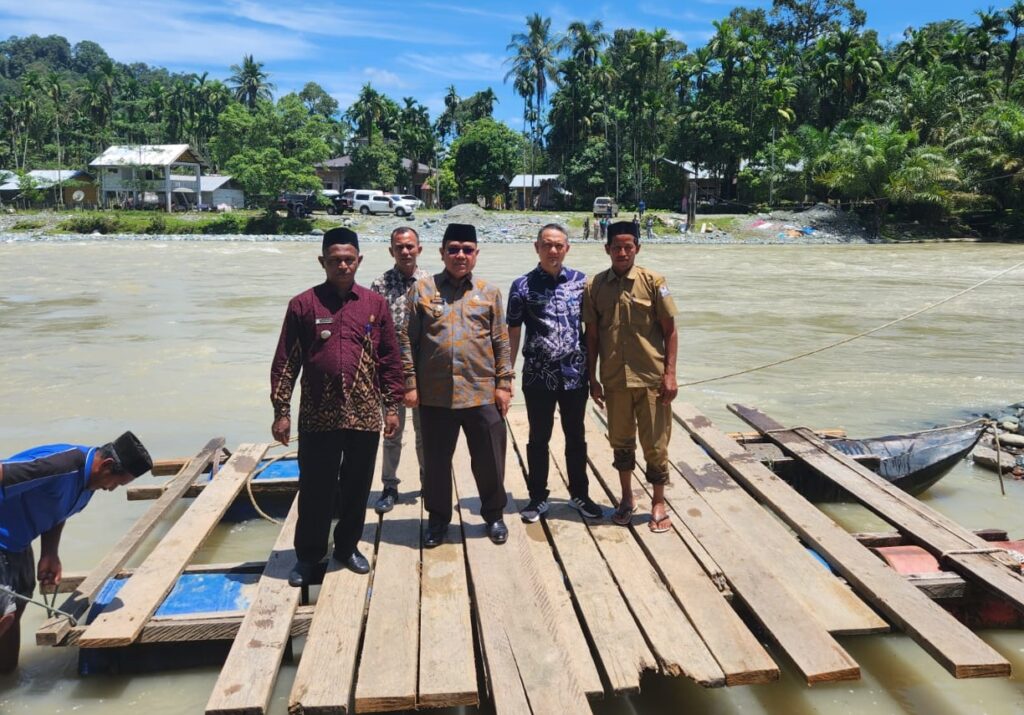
<point>829,223</point>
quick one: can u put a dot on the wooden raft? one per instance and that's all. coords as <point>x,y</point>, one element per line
<point>954,546</point>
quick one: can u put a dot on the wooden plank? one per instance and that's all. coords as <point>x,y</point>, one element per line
<point>953,645</point>
<point>246,680</point>
<point>53,630</point>
<point>550,574</point>
<point>447,674</point>
<point>831,602</point>
<point>620,646</point>
<point>741,657</point>
<point>389,664</point>
<point>69,581</point>
<point>994,570</point>
<point>327,666</point>
<point>121,621</point>
<point>875,539</point>
<point>809,646</point>
<point>147,492</point>
<point>673,640</point>
<point>178,629</point>
<point>515,614</point>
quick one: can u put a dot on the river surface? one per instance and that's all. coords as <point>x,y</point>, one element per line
<point>173,340</point>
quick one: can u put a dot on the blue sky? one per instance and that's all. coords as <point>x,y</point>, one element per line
<point>407,48</point>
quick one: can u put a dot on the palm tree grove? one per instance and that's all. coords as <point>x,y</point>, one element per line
<point>795,104</point>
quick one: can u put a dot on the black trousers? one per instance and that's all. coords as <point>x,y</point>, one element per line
<point>540,409</point>
<point>335,471</point>
<point>487,440</point>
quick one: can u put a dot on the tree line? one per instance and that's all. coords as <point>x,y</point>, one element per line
<point>799,102</point>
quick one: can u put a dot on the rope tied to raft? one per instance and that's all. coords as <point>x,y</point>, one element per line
<point>851,338</point>
<point>256,473</point>
<point>51,608</point>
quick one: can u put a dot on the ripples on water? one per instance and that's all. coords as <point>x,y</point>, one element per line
<point>172,337</point>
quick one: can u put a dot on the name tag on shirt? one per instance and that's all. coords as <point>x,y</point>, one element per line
<point>324,321</point>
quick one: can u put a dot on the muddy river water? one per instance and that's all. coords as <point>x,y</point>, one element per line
<point>173,339</point>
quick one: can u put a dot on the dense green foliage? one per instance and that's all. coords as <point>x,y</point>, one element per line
<point>800,102</point>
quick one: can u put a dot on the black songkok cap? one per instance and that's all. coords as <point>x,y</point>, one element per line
<point>461,232</point>
<point>133,457</point>
<point>623,227</point>
<point>342,236</point>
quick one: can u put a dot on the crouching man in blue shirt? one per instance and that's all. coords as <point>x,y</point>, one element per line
<point>39,489</point>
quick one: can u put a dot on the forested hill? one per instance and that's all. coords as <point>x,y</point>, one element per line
<point>800,101</point>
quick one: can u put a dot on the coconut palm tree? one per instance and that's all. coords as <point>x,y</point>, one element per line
<point>249,82</point>
<point>1015,16</point>
<point>55,90</point>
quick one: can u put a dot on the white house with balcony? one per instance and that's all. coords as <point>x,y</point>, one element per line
<point>140,174</point>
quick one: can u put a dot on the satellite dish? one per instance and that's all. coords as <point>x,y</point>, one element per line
<point>78,196</point>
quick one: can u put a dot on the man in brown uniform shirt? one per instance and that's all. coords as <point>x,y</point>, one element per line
<point>458,370</point>
<point>630,319</point>
<point>340,336</point>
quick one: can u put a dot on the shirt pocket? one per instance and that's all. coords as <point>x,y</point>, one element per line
<point>641,312</point>
<point>478,318</point>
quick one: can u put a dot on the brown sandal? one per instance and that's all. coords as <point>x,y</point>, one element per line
<point>623,514</point>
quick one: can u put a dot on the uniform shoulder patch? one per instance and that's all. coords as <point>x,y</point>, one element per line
<point>664,291</point>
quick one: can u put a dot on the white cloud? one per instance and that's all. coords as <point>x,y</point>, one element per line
<point>384,78</point>
<point>479,12</point>
<point>188,34</point>
<point>478,66</point>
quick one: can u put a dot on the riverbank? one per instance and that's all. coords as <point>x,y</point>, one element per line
<point>817,225</point>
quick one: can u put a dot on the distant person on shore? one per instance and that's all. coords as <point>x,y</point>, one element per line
<point>630,326</point>
<point>547,300</point>
<point>455,354</point>
<point>339,335</point>
<point>636,225</point>
<point>393,285</point>
<point>641,207</point>
<point>603,224</point>
<point>586,235</point>
<point>649,226</point>
<point>40,489</point>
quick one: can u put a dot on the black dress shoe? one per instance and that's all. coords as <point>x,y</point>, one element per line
<point>356,562</point>
<point>387,500</point>
<point>498,531</point>
<point>301,575</point>
<point>434,536</point>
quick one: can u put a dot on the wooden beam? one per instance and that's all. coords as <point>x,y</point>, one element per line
<point>389,662</point>
<point>875,539</point>
<point>206,628</point>
<point>327,666</point>
<point>618,641</point>
<point>515,614</point>
<point>953,645</point>
<point>953,545</point>
<point>53,630</point>
<point>246,680</point>
<point>549,573</point>
<point>123,619</point>
<point>739,655</point>
<point>266,487</point>
<point>69,581</point>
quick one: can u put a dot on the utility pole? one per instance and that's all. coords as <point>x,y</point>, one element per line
<point>771,173</point>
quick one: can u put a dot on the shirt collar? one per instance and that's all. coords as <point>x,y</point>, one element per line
<point>562,277</point>
<point>628,275</point>
<point>446,277</point>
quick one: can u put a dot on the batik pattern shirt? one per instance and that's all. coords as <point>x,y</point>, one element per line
<point>347,353</point>
<point>554,356</point>
<point>455,349</point>
<point>393,285</point>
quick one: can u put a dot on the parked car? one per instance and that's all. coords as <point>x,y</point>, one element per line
<point>342,202</point>
<point>368,201</point>
<point>605,206</point>
<point>297,205</point>
<point>418,202</point>
<point>403,206</point>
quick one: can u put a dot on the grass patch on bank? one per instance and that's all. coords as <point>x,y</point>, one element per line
<point>158,223</point>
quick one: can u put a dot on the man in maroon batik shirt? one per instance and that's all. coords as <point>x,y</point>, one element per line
<point>340,336</point>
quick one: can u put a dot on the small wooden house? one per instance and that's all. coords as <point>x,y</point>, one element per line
<point>129,174</point>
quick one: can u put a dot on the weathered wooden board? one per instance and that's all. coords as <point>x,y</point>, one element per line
<point>123,619</point>
<point>246,680</point>
<point>955,546</point>
<point>570,632</point>
<point>260,487</point>
<point>327,667</point>
<point>829,601</point>
<point>53,630</point>
<point>958,650</point>
<point>447,675</point>
<point>515,615</point>
<point>388,664</point>
<point>621,649</point>
<point>738,653</point>
<point>809,646</point>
